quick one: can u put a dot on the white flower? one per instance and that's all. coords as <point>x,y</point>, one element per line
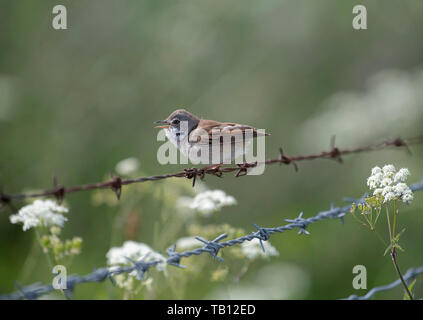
<point>127,166</point>
<point>117,257</point>
<point>208,202</point>
<point>374,180</point>
<point>252,249</point>
<point>402,175</point>
<point>389,196</point>
<point>378,192</point>
<point>187,243</point>
<point>45,213</point>
<point>388,170</point>
<point>376,108</point>
<point>376,170</point>
<point>274,281</point>
<point>134,250</point>
<point>408,196</point>
<point>390,184</point>
<point>400,188</point>
<point>386,182</point>
<point>386,190</point>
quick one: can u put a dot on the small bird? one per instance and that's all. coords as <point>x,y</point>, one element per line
<point>211,141</point>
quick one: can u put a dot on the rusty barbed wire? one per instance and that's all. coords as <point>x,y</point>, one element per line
<point>116,183</point>
<point>212,248</point>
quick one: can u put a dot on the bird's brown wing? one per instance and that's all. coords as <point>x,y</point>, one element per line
<point>209,132</point>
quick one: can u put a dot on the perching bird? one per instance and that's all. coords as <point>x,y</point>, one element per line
<point>208,141</point>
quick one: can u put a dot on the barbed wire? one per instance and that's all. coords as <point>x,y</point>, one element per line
<point>116,183</point>
<point>212,248</point>
<point>409,275</point>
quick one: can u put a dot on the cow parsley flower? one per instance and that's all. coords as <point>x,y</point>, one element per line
<point>134,250</point>
<point>46,213</point>
<point>389,183</point>
<point>187,243</point>
<point>388,170</point>
<point>208,202</point>
<point>401,175</point>
<point>378,192</point>
<point>408,196</point>
<point>117,257</point>
<point>375,180</point>
<point>127,166</point>
<point>376,170</point>
<point>400,188</point>
<point>252,249</point>
<point>389,196</point>
<point>386,182</point>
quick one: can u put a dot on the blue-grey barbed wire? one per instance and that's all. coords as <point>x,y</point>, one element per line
<point>211,247</point>
<point>409,275</point>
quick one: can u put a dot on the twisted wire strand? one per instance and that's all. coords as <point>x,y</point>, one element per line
<point>116,183</point>
<point>409,275</point>
<point>210,247</point>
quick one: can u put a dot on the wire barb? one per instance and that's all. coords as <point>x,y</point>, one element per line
<point>262,235</point>
<point>174,257</point>
<point>116,183</point>
<point>286,160</point>
<point>243,168</point>
<point>58,191</point>
<point>211,247</point>
<point>4,198</point>
<point>335,153</point>
<point>300,223</point>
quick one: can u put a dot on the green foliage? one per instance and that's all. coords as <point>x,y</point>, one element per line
<point>74,103</point>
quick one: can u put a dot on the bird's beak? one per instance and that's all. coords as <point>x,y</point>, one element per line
<point>167,124</point>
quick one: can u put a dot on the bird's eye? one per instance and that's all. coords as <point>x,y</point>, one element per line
<point>175,121</point>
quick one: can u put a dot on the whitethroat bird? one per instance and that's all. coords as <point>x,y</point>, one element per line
<point>208,141</point>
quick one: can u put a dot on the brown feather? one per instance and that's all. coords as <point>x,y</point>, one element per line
<point>210,126</point>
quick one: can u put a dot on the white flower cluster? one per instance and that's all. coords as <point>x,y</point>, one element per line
<point>252,249</point>
<point>187,243</point>
<point>389,183</point>
<point>45,213</point>
<point>127,166</point>
<point>116,256</point>
<point>208,202</point>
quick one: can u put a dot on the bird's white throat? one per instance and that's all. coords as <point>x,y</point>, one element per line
<point>177,138</point>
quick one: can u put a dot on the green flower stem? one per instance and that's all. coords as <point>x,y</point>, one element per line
<point>394,252</point>
<point>243,271</point>
<point>395,218</point>
<point>389,224</point>
<point>370,227</point>
<point>394,260</point>
<point>377,215</point>
<point>49,261</point>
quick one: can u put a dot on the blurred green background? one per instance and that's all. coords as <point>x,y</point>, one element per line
<point>75,102</point>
